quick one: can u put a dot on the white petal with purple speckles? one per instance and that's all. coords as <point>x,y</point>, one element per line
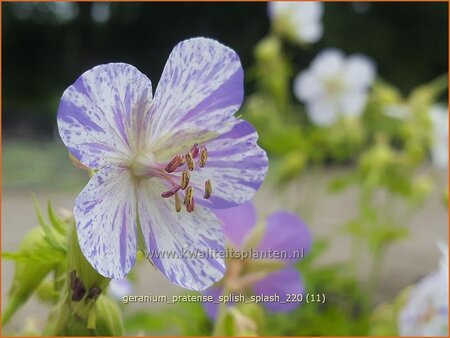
<point>236,166</point>
<point>101,116</point>
<point>200,89</point>
<point>105,214</point>
<point>174,236</point>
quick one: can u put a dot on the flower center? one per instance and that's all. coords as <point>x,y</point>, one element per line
<point>334,85</point>
<point>237,279</point>
<point>176,174</point>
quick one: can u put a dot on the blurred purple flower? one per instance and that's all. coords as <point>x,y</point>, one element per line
<point>286,233</point>
<point>119,288</point>
<point>150,153</point>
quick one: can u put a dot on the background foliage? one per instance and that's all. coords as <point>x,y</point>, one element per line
<point>45,49</point>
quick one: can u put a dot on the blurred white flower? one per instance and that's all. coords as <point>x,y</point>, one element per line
<point>299,21</point>
<point>334,86</point>
<point>439,150</point>
<point>426,312</point>
<point>118,288</point>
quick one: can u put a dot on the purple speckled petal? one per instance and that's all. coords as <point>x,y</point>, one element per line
<point>182,245</point>
<point>236,167</point>
<point>200,89</point>
<point>211,308</point>
<point>238,222</point>
<point>285,231</point>
<point>282,283</point>
<point>105,214</point>
<point>101,116</point>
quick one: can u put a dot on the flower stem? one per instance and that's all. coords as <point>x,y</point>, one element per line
<point>375,272</point>
<point>219,325</point>
<point>355,254</point>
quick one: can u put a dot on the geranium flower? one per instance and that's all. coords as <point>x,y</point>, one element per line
<point>439,150</point>
<point>334,86</point>
<point>285,234</point>
<point>426,311</point>
<point>151,155</point>
<point>298,21</point>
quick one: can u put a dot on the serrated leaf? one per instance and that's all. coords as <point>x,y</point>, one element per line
<point>56,222</point>
<point>49,234</point>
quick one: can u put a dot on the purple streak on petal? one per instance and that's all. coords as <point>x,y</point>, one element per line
<point>167,232</point>
<point>103,107</point>
<point>106,222</point>
<point>238,222</point>
<point>124,238</point>
<point>70,113</point>
<point>119,118</point>
<point>286,232</point>
<point>284,282</point>
<point>201,87</point>
<point>231,93</point>
<point>211,308</point>
<point>240,129</point>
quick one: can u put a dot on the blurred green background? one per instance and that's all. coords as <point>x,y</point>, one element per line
<point>46,46</point>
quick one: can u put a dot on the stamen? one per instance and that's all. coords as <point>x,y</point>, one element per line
<point>208,189</point>
<point>174,164</point>
<point>195,150</point>
<point>185,177</point>
<point>188,196</point>
<point>190,207</point>
<point>190,161</point>
<point>171,192</point>
<point>177,202</point>
<point>203,156</point>
<point>183,161</point>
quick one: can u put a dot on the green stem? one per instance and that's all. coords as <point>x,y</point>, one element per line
<point>58,318</point>
<point>375,273</point>
<point>13,304</point>
<point>355,252</point>
<point>219,325</point>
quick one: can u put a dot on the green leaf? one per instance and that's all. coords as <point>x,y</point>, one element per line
<point>340,183</point>
<point>58,224</point>
<point>384,234</point>
<point>319,246</point>
<point>50,235</point>
<point>355,228</point>
<point>31,267</point>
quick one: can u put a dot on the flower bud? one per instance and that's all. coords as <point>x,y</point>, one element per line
<point>109,317</point>
<point>81,272</point>
<point>81,309</point>
<point>268,49</point>
<point>29,271</point>
<point>421,188</point>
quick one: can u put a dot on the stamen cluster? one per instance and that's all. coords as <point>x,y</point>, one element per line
<point>187,163</point>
